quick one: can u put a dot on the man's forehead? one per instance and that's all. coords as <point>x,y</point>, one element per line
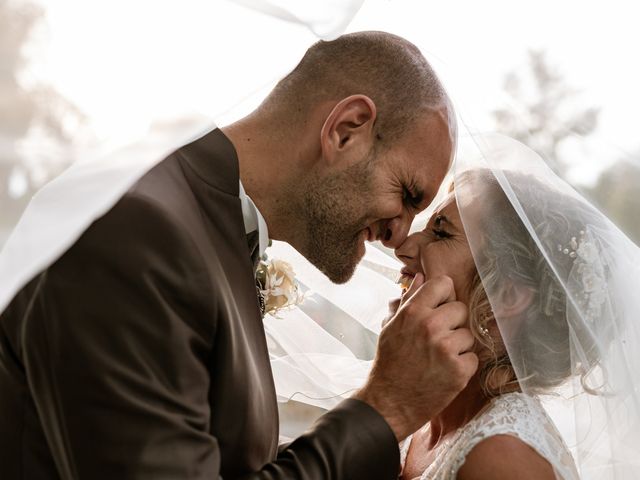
<point>433,181</point>
<point>423,155</point>
<point>433,149</point>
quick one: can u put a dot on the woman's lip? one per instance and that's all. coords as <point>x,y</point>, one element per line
<point>406,271</point>
<point>404,280</point>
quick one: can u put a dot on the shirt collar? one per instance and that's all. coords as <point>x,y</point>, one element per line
<point>253,220</point>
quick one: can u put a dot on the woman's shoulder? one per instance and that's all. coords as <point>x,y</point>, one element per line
<point>504,456</point>
<point>513,437</point>
<point>512,413</point>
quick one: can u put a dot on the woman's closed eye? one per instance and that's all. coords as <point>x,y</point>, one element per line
<point>439,233</point>
<point>438,229</point>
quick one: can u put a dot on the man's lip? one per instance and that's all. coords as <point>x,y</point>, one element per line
<point>369,234</point>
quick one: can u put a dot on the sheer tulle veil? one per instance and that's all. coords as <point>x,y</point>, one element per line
<point>574,346</point>
<point>107,162</point>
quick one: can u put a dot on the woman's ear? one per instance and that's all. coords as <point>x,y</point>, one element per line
<point>514,300</point>
<point>349,126</point>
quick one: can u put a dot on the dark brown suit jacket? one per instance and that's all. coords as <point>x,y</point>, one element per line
<point>140,353</point>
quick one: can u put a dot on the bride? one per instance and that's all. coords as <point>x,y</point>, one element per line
<point>551,285</point>
<point>491,429</point>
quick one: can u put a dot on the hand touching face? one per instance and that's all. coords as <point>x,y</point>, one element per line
<point>428,333</point>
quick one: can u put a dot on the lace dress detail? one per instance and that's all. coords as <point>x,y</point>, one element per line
<point>513,414</point>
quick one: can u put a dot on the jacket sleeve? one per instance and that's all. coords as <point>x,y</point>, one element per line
<point>120,338</point>
<point>352,441</point>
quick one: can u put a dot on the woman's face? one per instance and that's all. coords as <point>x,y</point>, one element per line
<point>440,249</point>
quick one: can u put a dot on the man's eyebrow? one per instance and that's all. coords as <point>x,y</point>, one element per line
<point>417,194</point>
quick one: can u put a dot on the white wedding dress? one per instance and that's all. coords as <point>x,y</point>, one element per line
<point>513,414</point>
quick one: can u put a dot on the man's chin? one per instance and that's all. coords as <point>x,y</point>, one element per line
<point>337,261</point>
<point>340,276</point>
<point>341,272</point>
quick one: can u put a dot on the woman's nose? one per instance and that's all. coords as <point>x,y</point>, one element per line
<point>408,252</point>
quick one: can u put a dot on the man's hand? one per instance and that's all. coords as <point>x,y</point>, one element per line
<point>424,357</point>
<point>394,305</point>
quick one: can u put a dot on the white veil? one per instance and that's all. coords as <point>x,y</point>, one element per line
<point>321,350</point>
<point>320,358</point>
<point>575,345</point>
<point>102,169</point>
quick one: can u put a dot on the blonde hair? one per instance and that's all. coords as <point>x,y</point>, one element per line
<point>497,375</point>
<point>511,256</point>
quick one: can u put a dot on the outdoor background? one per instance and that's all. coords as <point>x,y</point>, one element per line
<point>80,78</point>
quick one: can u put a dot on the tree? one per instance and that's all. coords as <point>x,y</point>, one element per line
<point>33,113</point>
<point>617,193</point>
<point>542,114</point>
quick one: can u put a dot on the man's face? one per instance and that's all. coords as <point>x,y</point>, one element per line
<point>375,198</point>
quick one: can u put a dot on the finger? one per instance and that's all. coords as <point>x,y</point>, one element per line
<point>462,341</point>
<point>469,363</point>
<point>393,308</point>
<point>416,283</point>
<point>450,316</point>
<point>394,304</point>
<point>433,293</point>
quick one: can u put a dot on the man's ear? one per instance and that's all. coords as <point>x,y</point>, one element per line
<point>349,125</point>
<point>514,300</point>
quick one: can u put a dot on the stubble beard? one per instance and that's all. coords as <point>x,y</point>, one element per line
<point>334,215</point>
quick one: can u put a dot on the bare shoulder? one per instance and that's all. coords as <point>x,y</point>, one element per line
<point>505,457</point>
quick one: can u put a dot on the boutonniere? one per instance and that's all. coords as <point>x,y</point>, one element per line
<point>277,286</point>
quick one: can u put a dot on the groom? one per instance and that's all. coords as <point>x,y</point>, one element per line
<point>140,353</point>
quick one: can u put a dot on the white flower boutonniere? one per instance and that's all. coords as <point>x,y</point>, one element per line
<point>277,286</point>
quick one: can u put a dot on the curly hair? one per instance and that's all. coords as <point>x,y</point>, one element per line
<point>510,255</point>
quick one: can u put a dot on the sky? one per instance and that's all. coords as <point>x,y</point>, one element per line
<point>124,63</point>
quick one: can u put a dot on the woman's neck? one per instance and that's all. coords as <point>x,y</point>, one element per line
<point>458,413</point>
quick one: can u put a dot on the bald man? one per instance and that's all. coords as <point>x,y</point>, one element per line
<point>140,352</point>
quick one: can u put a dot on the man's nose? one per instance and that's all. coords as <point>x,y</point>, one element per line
<point>396,231</point>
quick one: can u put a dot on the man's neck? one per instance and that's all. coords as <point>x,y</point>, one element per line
<point>267,163</point>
